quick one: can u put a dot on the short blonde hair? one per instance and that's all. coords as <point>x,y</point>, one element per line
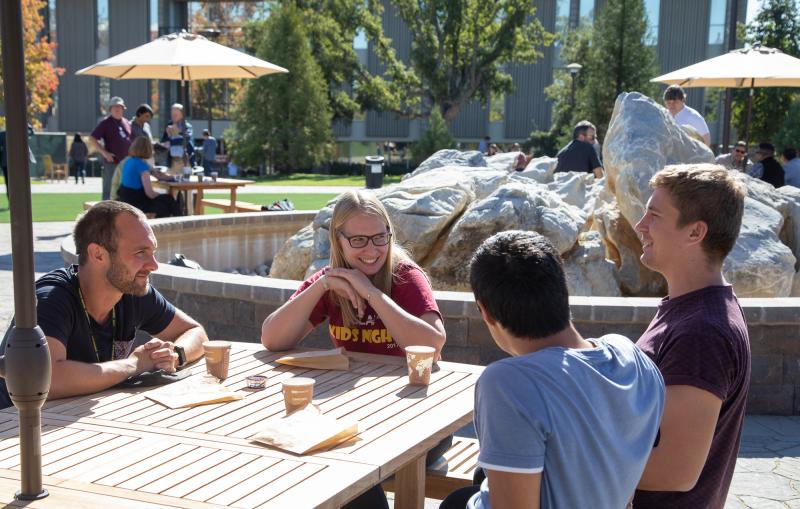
<point>708,193</point>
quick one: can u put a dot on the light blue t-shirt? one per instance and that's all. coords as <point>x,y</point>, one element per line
<point>585,419</point>
<point>791,172</point>
<point>132,173</point>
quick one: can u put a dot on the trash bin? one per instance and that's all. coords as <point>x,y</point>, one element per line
<point>374,172</point>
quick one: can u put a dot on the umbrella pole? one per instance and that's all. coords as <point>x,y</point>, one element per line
<point>749,115</point>
<point>26,364</point>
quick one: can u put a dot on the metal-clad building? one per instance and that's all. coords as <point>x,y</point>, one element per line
<point>683,31</point>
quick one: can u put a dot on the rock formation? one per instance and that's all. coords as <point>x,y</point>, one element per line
<point>444,209</point>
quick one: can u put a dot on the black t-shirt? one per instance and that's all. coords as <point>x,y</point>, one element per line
<point>61,316</point>
<point>577,156</point>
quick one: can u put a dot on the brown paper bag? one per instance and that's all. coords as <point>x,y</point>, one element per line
<point>325,359</point>
<point>193,392</point>
<point>305,431</point>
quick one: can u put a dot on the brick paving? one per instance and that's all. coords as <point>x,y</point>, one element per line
<point>767,471</point>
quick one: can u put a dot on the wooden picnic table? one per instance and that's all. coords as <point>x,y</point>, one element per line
<point>196,206</point>
<point>120,449</point>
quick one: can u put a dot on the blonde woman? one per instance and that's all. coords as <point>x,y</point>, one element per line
<point>135,187</point>
<point>375,299</point>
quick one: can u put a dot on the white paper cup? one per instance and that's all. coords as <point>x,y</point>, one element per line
<point>297,393</point>
<point>420,363</point>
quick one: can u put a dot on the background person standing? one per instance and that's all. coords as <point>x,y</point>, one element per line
<point>209,151</point>
<point>675,101</point>
<point>115,133</point>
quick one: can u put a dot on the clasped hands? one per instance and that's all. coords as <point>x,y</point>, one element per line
<point>351,284</point>
<point>155,354</point>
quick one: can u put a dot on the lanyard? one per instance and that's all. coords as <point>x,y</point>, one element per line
<point>91,330</point>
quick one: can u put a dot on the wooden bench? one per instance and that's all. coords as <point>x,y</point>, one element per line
<point>442,478</point>
<point>89,204</point>
<point>241,206</point>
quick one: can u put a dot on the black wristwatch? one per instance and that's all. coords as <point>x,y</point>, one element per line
<point>181,356</point>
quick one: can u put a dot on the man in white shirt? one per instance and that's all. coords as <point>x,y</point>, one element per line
<point>675,101</point>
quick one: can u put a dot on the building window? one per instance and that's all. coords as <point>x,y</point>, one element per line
<point>586,12</point>
<point>716,22</point>
<point>652,7</point>
<point>101,53</point>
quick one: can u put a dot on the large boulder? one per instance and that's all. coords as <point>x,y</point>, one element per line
<point>449,157</point>
<point>759,264</point>
<point>642,138</point>
<point>504,161</point>
<point>294,256</point>
<point>514,206</point>
<point>624,248</point>
<point>540,169</point>
<point>587,269</point>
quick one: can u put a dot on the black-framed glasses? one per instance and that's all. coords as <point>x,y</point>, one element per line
<point>739,151</point>
<point>359,241</point>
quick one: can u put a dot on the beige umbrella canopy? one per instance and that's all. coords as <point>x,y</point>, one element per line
<point>181,56</point>
<point>742,68</point>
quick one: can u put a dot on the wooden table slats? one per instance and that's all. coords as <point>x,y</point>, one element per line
<point>119,445</point>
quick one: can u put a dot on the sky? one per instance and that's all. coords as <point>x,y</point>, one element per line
<point>752,8</point>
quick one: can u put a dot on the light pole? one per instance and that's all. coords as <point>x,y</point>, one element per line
<point>574,68</point>
<point>212,34</point>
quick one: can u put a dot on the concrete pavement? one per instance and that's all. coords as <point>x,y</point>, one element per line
<point>767,471</point>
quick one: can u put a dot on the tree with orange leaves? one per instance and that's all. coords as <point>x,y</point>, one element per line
<point>41,76</point>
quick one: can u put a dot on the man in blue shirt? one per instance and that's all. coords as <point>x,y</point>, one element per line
<point>90,312</point>
<point>209,151</point>
<point>566,422</point>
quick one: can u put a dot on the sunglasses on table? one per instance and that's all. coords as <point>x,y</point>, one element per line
<point>359,241</point>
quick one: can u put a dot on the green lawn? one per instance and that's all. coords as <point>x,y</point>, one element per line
<point>66,206</point>
<point>34,181</point>
<point>313,179</point>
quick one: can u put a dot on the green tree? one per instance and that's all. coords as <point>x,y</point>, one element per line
<point>436,137</point>
<point>283,119</point>
<point>574,48</point>
<point>41,76</point>
<point>459,48</point>
<point>775,26</point>
<point>619,60</point>
<point>789,133</point>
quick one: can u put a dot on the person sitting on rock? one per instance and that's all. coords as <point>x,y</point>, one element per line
<point>580,154</point>
<point>675,102</point>
<point>374,298</point>
<point>771,170</point>
<point>565,422</point>
<point>737,159</point>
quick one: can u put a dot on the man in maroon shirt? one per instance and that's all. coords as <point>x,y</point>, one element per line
<point>698,338</point>
<point>115,133</point>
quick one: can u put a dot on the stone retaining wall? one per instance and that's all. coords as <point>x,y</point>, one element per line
<point>232,306</point>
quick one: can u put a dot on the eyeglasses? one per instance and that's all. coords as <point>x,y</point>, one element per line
<point>359,241</point>
<point>739,151</point>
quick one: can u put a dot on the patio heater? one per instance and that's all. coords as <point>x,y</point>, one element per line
<point>26,363</point>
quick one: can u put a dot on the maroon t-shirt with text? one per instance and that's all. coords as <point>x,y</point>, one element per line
<point>411,290</point>
<point>700,339</point>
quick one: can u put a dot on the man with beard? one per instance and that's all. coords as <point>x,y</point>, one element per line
<point>90,312</point>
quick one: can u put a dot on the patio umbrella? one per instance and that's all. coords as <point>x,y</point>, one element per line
<point>181,56</point>
<point>751,68</point>
<point>26,363</point>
